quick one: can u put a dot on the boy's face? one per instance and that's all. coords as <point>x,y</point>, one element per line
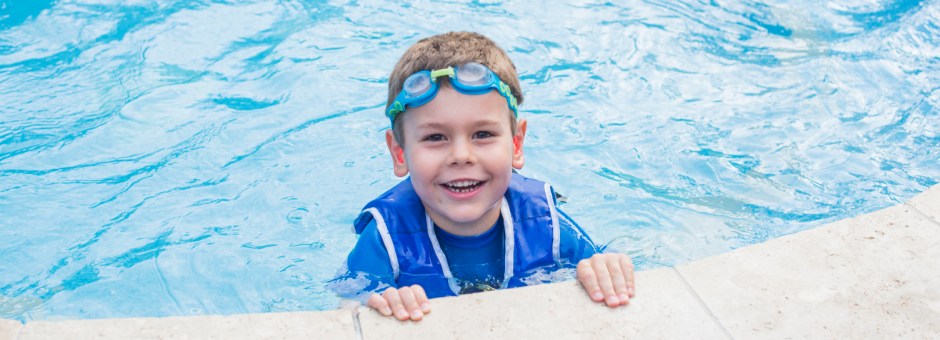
<point>460,151</point>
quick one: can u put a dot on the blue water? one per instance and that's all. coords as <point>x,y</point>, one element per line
<point>176,158</point>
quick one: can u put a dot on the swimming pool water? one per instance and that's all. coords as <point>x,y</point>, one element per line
<point>207,157</point>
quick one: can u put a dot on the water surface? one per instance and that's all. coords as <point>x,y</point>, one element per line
<point>207,157</point>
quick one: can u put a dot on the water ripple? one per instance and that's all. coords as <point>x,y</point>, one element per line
<point>298,128</point>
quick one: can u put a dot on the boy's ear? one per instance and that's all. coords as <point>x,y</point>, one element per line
<point>398,154</point>
<point>518,159</point>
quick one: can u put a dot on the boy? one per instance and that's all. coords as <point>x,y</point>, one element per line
<point>464,221</point>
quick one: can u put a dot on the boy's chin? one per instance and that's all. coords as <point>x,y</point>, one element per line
<point>468,216</point>
<point>465,218</point>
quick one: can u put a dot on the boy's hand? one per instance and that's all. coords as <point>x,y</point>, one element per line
<point>607,278</point>
<point>405,302</point>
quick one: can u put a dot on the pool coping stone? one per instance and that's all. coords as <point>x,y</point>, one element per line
<point>850,280</point>
<point>556,311</point>
<point>337,324</point>
<point>928,202</point>
<point>9,329</point>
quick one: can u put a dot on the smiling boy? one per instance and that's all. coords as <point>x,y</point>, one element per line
<point>465,221</point>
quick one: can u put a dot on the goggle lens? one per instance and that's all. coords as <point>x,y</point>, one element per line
<point>417,84</point>
<point>473,74</point>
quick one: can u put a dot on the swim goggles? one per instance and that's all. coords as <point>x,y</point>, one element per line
<point>470,78</point>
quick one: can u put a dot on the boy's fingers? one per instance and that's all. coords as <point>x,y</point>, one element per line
<point>603,280</point>
<point>394,302</point>
<point>410,303</point>
<point>422,298</point>
<point>379,303</point>
<point>589,280</point>
<point>627,264</point>
<point>618,281</point>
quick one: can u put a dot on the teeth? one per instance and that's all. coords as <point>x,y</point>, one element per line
<point>462,186</point>
<point>463,183</point>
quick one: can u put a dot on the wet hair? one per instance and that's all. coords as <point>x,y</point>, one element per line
<point>451,49</point>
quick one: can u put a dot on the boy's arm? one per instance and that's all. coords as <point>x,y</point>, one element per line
<point>368,267</point>
<point>369,259</point>
<point>605,277</point>
<point>575,244</point>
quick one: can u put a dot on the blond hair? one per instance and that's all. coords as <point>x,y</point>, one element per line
<point>451,49</point>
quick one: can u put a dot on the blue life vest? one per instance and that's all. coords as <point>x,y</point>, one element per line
<point>529,218</point>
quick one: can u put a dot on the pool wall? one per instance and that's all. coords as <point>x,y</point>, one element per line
<point>871,276</point>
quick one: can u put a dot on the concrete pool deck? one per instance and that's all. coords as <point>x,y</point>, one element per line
<point>872,276</point>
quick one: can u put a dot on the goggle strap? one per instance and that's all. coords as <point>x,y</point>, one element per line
<point>442,72</point>
<point>506,91</point>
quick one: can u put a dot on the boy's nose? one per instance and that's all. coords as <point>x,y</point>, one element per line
<point>461,153</point>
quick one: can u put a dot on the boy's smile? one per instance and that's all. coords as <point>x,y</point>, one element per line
<point>461,187</point>
<point>460,152</point>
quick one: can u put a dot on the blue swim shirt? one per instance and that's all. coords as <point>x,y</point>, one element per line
<point>477,262</point>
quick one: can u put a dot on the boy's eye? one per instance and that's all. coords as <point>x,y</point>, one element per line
<point>436,137</point>
<point>483,134</point>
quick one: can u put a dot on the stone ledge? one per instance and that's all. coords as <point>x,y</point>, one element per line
<point>663,308</point>
<point>295,325</point>
<point>9,329</point>
<point>873,276</point>
<point>928,202</point>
